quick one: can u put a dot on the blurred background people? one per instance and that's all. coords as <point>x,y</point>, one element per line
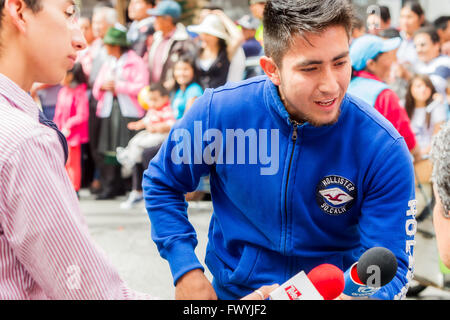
<point>219,47</point>
<point>442,25</point>
<point>187,88</point>
<point>378,19</point>
<point>358,27</point>
<point>412,17</point>
<point>170,40</point>
<point>71,117</point>
<point>151,130</point>
<point>426,110</point>
<point>372,58</point>
<point>430,61</point>
<point>116,88</point>
<point>141,29</point>
<point>257,10</point>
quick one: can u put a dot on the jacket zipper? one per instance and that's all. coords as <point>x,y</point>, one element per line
<point>294,139</point>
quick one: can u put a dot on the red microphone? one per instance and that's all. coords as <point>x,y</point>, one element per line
<point>328,280</point>
<point>324,282</point>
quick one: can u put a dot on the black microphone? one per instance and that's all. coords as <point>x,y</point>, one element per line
<point>374,269</point>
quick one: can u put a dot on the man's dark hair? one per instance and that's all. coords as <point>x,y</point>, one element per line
<point>284,19</point>
<point>431,31</point>
<point>441,22</point>
<point>34,5</point>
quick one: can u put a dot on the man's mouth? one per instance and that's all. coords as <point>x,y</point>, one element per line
<point>325,103</point>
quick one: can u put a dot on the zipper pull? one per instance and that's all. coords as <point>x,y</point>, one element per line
<point>294,133</point>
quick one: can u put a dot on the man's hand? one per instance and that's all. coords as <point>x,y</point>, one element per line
<point>261,294</point>
<point>194,285</point>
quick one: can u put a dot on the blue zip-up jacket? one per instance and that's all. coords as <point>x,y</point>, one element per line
<point>299,195</point>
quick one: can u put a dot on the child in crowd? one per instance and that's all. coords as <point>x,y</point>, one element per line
<point>71,117</point>
<point>426,109</point>
<point>186,87</point>
<point>153,128</point>
<point>186,91</point>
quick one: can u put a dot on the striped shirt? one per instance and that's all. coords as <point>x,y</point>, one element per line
<point>46,251</point>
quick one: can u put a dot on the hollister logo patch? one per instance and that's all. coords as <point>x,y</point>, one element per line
<point>335,195</point>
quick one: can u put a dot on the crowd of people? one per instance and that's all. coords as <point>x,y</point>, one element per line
<point>101,104</point>
<point>121,63</point>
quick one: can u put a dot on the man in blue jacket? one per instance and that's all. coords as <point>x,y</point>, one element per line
<point>301,173</point>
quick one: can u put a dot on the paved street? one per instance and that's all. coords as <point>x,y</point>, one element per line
<point>125,237</point>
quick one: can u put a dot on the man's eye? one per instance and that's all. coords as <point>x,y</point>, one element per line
<point>309,69</point>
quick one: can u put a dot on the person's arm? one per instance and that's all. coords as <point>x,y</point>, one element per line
<point>46,229</point>
<point>388,213</point>
<point>236,35</point>
<point>175,171</point>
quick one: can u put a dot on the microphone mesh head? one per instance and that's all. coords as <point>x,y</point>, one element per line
<point>328,280</point>
<point>377,267</point>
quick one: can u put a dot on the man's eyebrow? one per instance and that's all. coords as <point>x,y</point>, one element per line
<point>306,63</point>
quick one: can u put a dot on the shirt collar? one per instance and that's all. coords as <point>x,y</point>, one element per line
<point>17,97</point>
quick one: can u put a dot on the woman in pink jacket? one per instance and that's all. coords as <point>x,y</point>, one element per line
<point>71,117</point>
<point>116,88</point>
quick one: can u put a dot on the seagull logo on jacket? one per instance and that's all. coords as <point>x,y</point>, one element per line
<point>335,194</point>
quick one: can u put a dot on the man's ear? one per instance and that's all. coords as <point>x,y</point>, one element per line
<point>15,9</point>
<point>271,69</point>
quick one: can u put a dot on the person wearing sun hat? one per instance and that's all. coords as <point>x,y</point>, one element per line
<point>220,57</point>
<point>116,88</point>
<point>372,58</point>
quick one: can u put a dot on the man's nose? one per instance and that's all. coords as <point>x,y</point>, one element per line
<point>328,81</point>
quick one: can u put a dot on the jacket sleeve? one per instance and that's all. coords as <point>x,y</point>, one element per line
<point>176,170</point>
<point>388,213</point>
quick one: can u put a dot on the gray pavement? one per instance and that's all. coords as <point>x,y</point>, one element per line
<point>125,237</point>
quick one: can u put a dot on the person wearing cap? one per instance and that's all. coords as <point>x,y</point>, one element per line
<point>372,58</point>
<point>116,88</point>
<point>251,46</point>
<point>337,180</point>
<point>220,57</point>
<point>170,41</point>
